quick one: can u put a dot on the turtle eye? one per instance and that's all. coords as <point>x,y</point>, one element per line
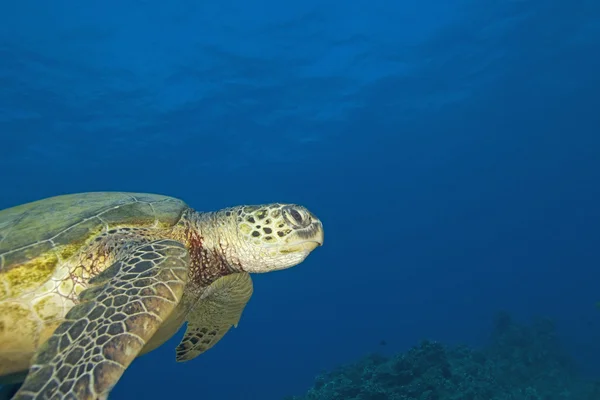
<point>296,217</point>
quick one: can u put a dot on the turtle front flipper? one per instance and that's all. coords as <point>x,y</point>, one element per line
<point>219,308</point>
<point>116,316</point>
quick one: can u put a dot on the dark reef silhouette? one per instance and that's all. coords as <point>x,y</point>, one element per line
<point>520,362</point>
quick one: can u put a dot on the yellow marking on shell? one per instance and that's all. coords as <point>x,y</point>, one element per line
<point>71,240</point>
<point>3,289</point>
<point>49,307</point>
<point>17,322</point>
<point>67,252</point>
<point>13,312</point>
<point>30,275</point>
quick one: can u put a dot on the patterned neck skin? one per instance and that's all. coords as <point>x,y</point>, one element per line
<point>208,250</point>
<point>253,239</point>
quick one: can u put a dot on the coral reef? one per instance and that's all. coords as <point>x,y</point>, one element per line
<point>521,362</point>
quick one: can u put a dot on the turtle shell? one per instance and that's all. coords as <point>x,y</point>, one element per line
<point>35,237</point>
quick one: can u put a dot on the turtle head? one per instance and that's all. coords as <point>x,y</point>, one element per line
<point>274,236</point>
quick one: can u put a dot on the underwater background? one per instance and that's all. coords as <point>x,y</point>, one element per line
<point>451,148</point>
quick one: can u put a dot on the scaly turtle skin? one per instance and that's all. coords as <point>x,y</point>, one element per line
<point>88,282</point>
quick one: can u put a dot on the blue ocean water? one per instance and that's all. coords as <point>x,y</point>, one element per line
<point>451,148</point>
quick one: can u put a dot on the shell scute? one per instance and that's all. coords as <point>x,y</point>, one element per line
<point>29,275</point>
<point>131,214</point>
<point>35,237</point>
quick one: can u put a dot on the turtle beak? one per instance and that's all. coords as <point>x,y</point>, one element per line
<point>308,239</point>
<point>318,234</point>
<point>321,237</point>
<point>310,245</point>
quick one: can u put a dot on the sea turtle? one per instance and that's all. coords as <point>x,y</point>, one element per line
<point>90,281</point>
